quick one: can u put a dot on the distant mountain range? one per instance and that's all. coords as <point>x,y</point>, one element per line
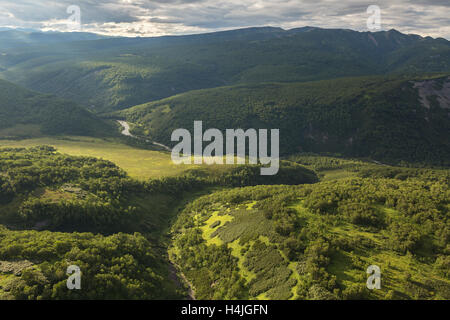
<point>112,74</point>
<point>14,38</point>
<point>383,95</point>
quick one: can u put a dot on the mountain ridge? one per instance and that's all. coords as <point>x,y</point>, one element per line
<point>113,74</point>
<point>384,118</point>
<point>13,38</point>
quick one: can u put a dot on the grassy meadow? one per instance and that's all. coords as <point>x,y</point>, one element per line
<point>141,164</point>
<point>138,163</point>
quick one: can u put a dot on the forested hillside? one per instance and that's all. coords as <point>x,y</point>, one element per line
<point>113,74</point>
<point>25,113</point>
<point>122,266</point>
<point>317,241</point>
<point>41,189</point>
<point>364,123</point>
<point>385,118</point>
<point>311,240</point>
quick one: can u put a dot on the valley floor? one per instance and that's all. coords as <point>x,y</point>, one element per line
<point>138,163</point>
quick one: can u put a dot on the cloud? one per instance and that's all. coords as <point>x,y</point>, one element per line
<point>162,17</point>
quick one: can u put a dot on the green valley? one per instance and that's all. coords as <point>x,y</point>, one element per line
<point>141,164</point>
<point>363,179</point>
<point>385,118</point>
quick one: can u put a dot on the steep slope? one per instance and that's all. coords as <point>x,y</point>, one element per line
<point>394,118</point>
<point>114,74</point>
<point>27,113</point>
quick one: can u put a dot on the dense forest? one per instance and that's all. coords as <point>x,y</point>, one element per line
<point>25,113</point>
<point>230,238</point>
<point>121,266</point>
<point>41,189</point>
<point>384,118</point>
<point>364,177</point>
<point>44,189</point>
<point>112,74</point>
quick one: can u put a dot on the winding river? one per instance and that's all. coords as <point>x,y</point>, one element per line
<point>126,132</point>
<point>126,128</point>
<point>175,274</point>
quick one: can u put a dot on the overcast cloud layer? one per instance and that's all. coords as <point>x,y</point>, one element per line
<point>171,17</point>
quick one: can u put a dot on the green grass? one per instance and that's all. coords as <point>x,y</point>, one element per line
<point>337,174</point>
<point>21,130</point>
<point>138,163</point>
<point>227,225</point>
<point>277,265</point>
<point>208,231</point>
<point>236,252</point>
<point>4,281</point>
<point>141,164</point>
<point>393,266</point>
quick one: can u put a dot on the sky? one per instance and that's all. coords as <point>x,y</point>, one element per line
<point>175,17</point>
